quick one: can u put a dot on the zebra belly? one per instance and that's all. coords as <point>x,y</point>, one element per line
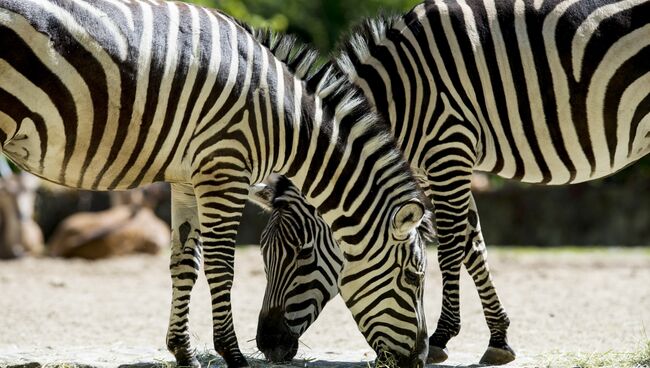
<point>47,160</point>
<point>25,152</point>
<point>582,173</point>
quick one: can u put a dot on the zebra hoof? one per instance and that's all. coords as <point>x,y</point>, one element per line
<point>497,356</point>
<point>190,362</point>
<point>437,355</point>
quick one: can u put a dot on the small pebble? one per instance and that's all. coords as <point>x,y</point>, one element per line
<point>57,283</point>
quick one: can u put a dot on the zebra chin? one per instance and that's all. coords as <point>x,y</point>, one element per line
<point>274,338</point>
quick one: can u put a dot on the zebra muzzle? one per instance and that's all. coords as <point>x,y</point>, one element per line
<point>274,338</point>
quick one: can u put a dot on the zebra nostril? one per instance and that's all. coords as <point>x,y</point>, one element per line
<point>274,338</point>
<point>279,348</point>
<point>276,355</point>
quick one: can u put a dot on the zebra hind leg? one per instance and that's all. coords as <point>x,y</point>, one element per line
<point>184,266</point>
<point>498,351</point>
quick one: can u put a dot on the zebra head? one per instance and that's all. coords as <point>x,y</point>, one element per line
<point>383,288</point>
<point>303,264</point>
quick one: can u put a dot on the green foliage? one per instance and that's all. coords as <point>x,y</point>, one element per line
<point>239,9</point>
<point>320,22</point>
<point>7,167</point>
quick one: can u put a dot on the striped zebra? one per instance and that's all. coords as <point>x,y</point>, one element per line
<point>548,92</point>
<point>115,94</point>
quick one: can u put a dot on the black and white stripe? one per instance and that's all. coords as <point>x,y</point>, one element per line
<point>114,94</point>
<point>305,271</point>
<point>549,92</point>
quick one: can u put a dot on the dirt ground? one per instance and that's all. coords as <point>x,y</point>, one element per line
<point>114,312</point>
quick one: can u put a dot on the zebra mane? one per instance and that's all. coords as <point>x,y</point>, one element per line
<point>362,39</point>
<point>359,44</point>
<point>332,82</point>
<point>326,80</point>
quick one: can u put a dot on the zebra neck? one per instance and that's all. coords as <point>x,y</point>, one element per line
<point>397,65</point>
<point>351,172</point>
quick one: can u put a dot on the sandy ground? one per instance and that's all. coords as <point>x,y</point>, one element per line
<point>115,312</point>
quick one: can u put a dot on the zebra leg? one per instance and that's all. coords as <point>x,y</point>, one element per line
<point>221,202</point>
<point>451,205</point>
<point>184,266</point>
<point>498,352</point>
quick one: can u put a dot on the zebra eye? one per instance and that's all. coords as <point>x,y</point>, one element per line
<point>412,278</point>
<point>306,251</point>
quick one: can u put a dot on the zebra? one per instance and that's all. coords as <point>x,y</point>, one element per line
<point>115,94</point>
<point>308,267</point>
<point>308,255</point>
<point>554,93</point>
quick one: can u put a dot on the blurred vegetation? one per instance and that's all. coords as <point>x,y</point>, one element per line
<point>7,167</point>
<point>319,22</point>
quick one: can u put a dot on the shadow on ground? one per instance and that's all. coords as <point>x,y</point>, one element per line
<point>254,363</point>
<point>216,362</point>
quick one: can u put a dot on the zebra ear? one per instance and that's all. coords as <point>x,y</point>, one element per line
<point>407,218</point>
<point>262,195</point>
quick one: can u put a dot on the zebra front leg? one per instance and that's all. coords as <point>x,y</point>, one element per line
<point>449,258</point>
<point>221,202</point>
<point>498,351</point>
<point>184,266</point>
